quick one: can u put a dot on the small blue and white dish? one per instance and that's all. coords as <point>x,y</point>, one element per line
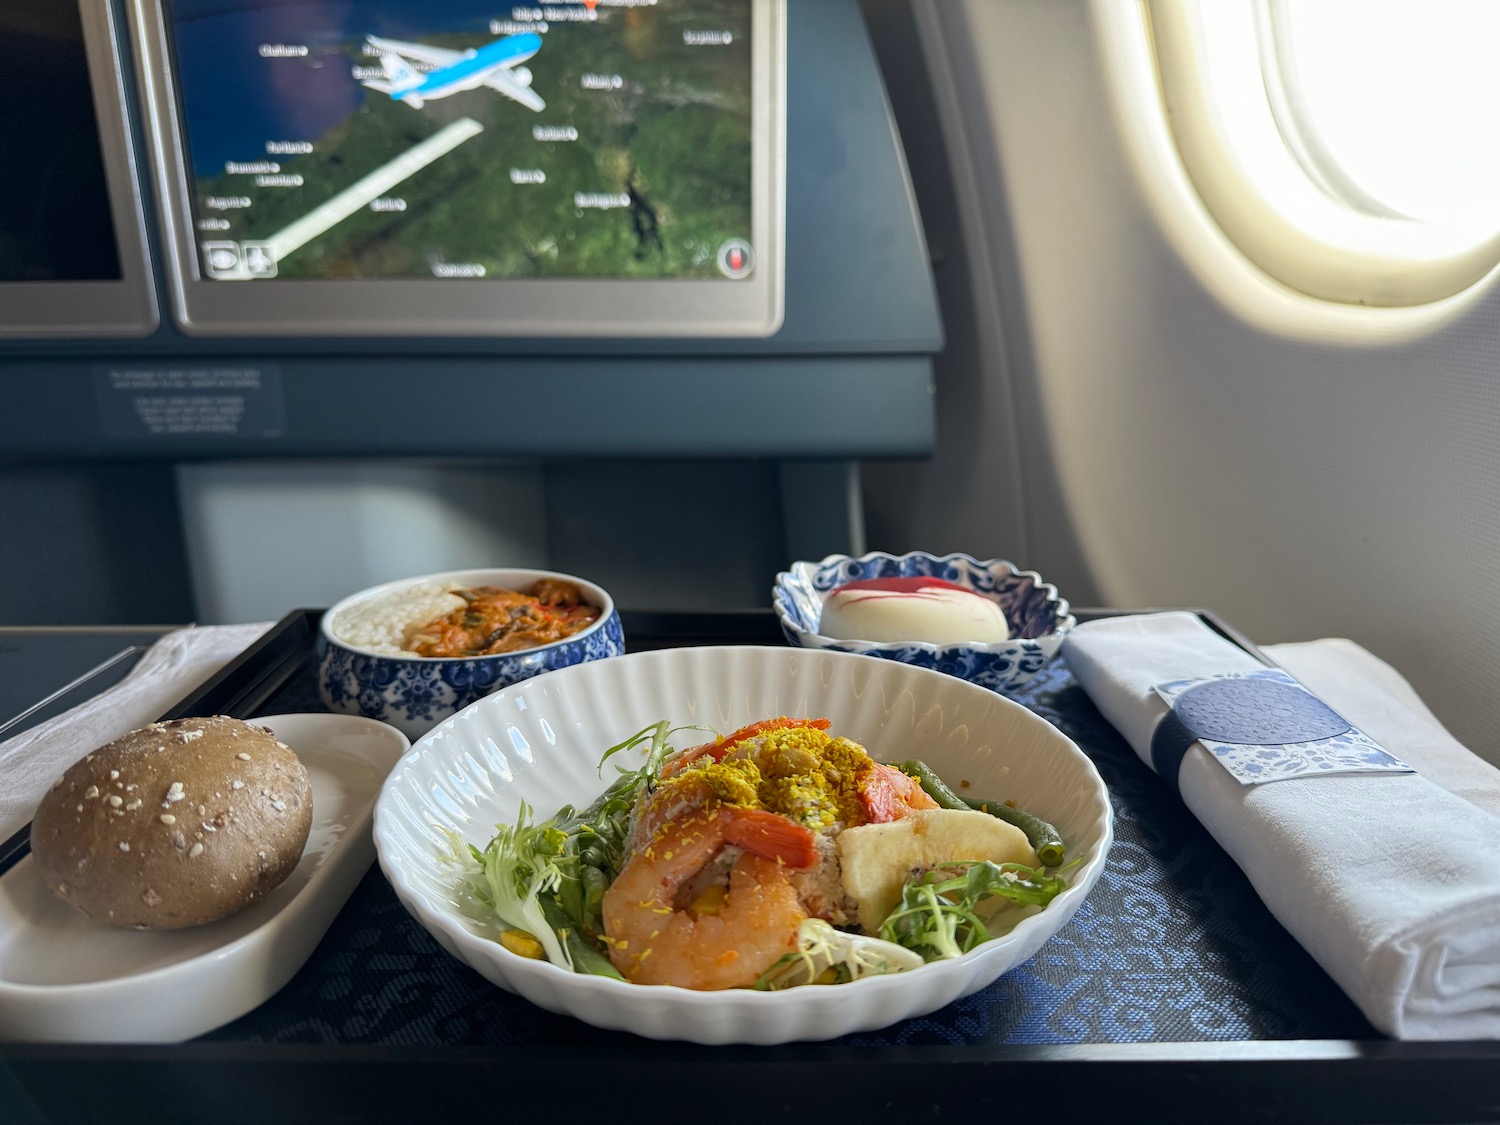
<point>1039,619</point>
<point>414,693</point>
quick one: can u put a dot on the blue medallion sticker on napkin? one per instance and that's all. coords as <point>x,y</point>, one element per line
<point>1264,726</point>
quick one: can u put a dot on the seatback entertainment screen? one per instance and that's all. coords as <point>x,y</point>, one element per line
<point>55,221</point>
<point>458,139</point>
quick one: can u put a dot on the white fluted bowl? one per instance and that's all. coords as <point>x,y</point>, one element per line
<point>540,741</point>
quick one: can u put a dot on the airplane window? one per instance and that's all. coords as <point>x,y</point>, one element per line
<point>1390,104</point>
<point>1300,160</point>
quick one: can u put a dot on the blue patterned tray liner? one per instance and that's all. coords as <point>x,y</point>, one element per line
<point>1264,726</point>
<point>1172,945</point>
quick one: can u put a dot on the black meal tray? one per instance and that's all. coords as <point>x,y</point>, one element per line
<point>1173,993</point>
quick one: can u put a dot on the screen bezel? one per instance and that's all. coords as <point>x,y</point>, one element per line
<point>500,307</point>
<point>125,306</point>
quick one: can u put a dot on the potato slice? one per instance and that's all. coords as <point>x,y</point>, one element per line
<point>875,860</point>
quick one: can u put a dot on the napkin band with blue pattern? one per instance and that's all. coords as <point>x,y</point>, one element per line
<point>1261,726</point>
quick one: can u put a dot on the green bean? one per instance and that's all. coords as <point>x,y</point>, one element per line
<point>587,957</point>
<point>1044,839</point>
<point>932,784</point>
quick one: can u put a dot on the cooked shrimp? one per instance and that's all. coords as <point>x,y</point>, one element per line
<point>725,938</point>
<point>683,798</point>
<point>888,794</point>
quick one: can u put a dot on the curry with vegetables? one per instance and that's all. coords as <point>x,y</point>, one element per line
<point>494,620</point>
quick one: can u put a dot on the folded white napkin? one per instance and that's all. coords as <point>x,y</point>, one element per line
<point>1391,881</point>
<point>170,669</point>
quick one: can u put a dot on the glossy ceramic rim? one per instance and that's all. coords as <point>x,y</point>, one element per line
<point>592,589</point>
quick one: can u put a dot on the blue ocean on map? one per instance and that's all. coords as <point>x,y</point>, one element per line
<point>234,100</point>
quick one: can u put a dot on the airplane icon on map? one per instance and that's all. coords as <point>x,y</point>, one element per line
<point>496,65</point>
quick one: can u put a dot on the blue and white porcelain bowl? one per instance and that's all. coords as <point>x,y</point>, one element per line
<point>1039,619</point>
<point>414,693</point>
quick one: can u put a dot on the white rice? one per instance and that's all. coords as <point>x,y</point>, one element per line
<point>380,624</point>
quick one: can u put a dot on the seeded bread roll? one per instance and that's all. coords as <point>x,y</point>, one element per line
<point>177,824</point>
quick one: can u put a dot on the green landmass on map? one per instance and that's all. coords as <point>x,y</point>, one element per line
<point>675,139</point>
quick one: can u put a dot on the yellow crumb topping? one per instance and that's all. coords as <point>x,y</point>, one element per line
<point>734,782</point>
<point>800,773</point>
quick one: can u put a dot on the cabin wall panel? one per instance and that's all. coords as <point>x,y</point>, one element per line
<point>1189,432</point>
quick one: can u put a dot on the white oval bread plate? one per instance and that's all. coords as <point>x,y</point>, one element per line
<point>65,978</point>
<point>539,741</point>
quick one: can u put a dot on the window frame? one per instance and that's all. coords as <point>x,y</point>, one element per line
<point>1303,229</point>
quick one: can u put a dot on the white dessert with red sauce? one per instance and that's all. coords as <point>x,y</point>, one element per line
<point>892,610</point>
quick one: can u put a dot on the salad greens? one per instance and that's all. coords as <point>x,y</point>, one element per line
<point>549,879</point>
<point>517,867</point>
<point>827,955</point>
<point>597,840</point>
<point>939,915</point>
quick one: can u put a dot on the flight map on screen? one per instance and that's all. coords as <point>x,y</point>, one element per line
<point>457,139</point>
